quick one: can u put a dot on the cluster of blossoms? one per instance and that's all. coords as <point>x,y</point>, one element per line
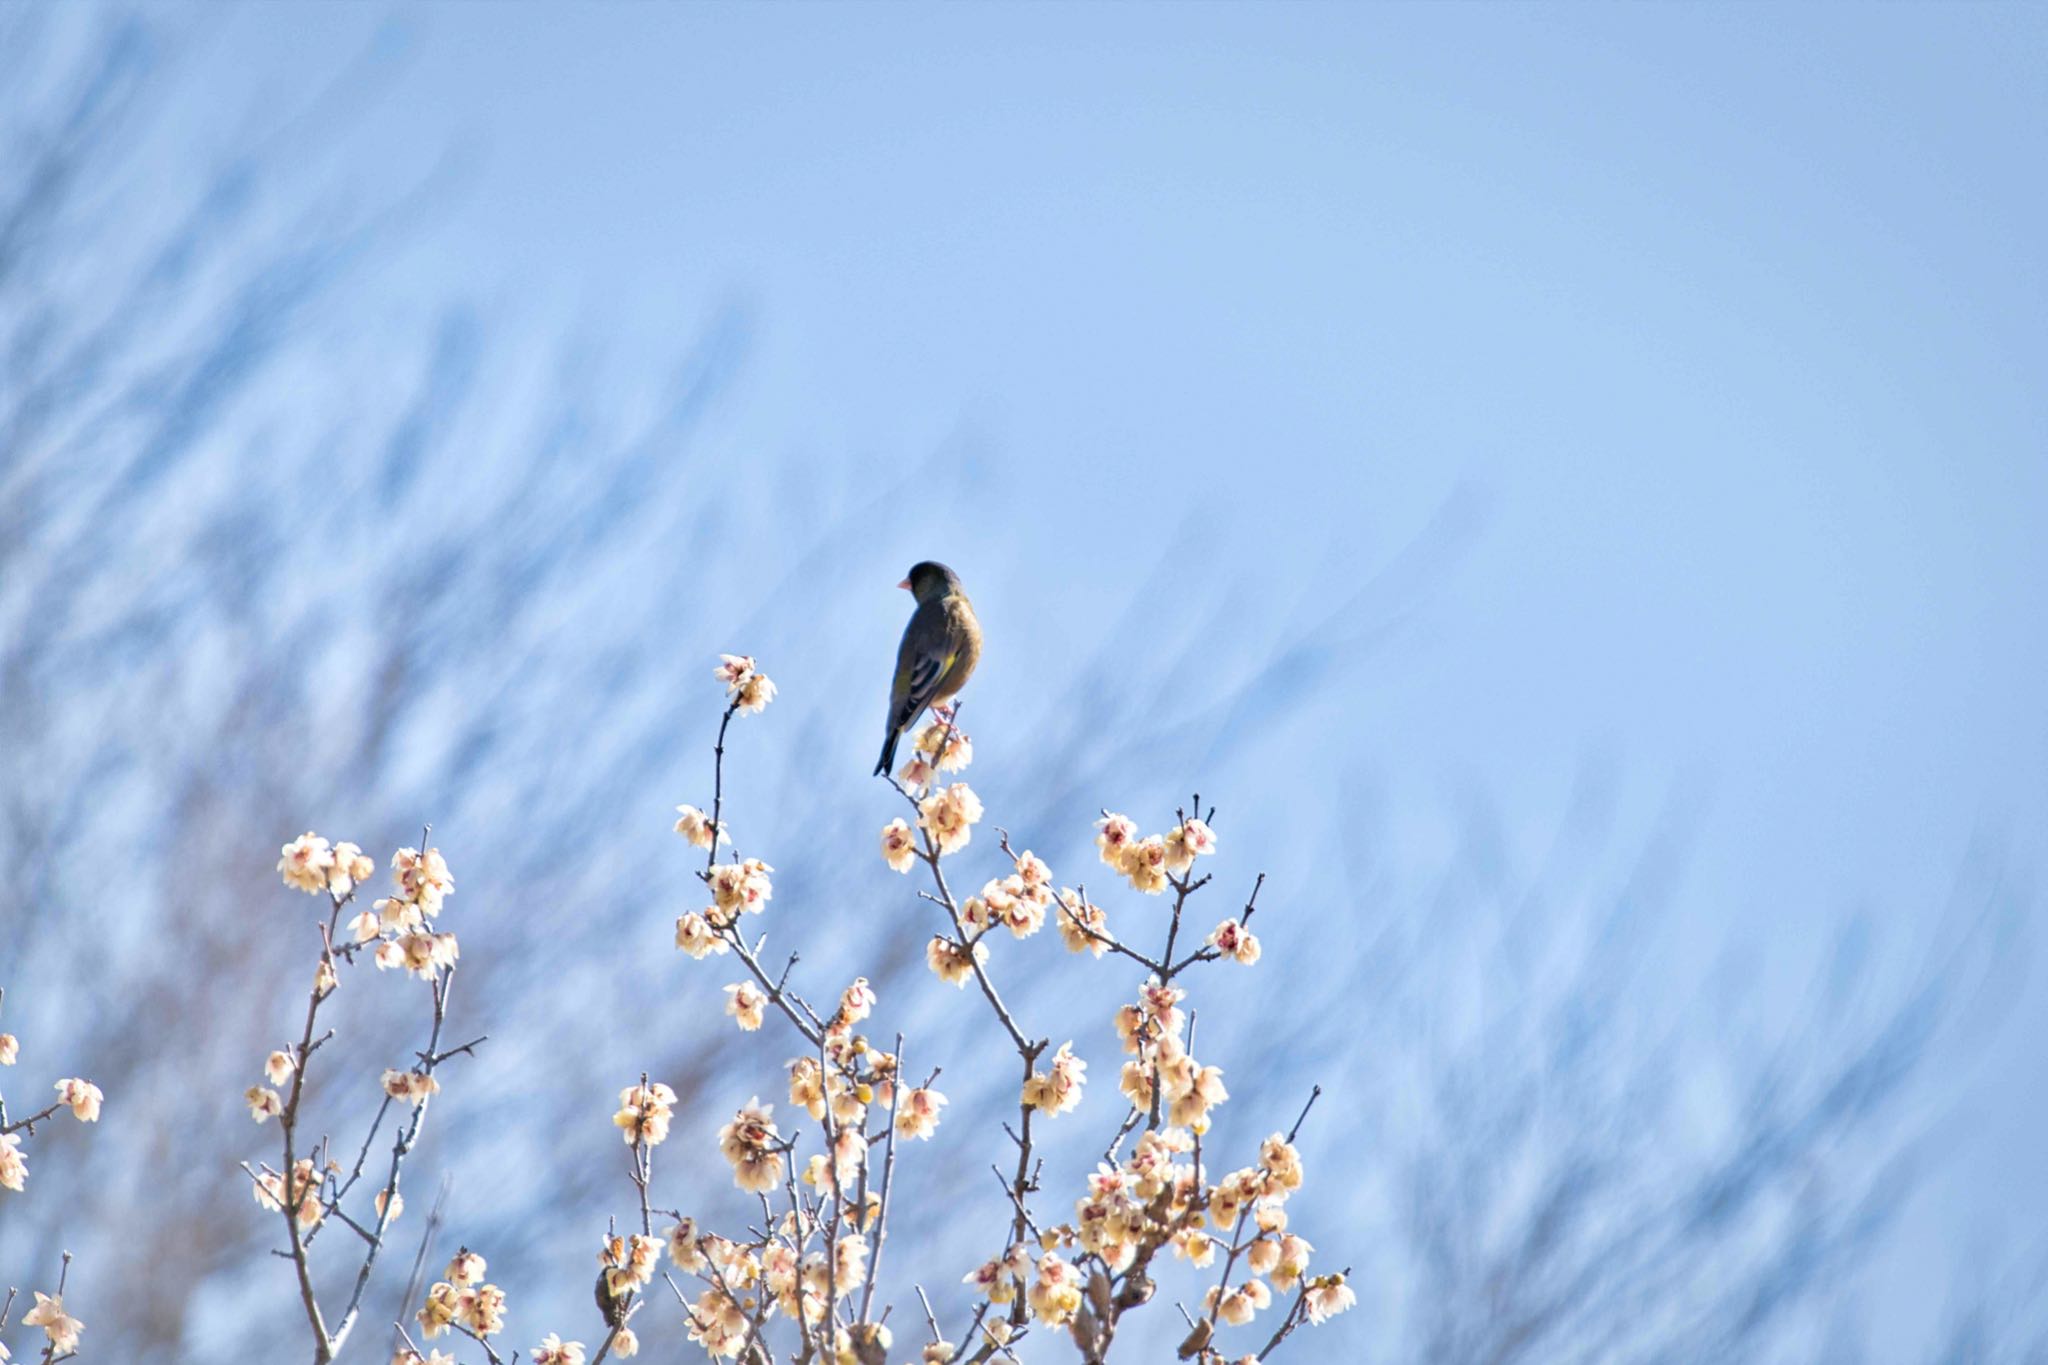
<point>754,1147</point>
<point>313,865</point>
<point>736,888</point>
<point>60,1330</point>
<point>402,922</point>
<point>700,829</point>
<point>399,924</point>
<point>463,1300</point>
<point>935,748</point>
<point>718,1322</point>
<point>81,1097</point>
<point>948,817</point>
<point>1018,902</point>
<point>1050,1285</point>
<point>1156,1199</point>
<point>1148,863</point>
<point>1057,1090</point>
<point>410,1087</point>
<point>951,962</point>
<point>300,1191</point>
<point>798,1285</point>
<point>1153,1030</point>
<point>1249,1201</point>
<point>747,686</point>
<point>645,1111</point>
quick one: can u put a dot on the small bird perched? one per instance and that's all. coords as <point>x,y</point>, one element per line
<point>940,647</point>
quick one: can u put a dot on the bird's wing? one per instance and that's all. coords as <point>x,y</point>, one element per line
<point>921,665</point>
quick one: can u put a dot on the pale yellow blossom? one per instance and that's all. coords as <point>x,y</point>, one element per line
<point>1058,1090</point>
<point>1235,941</point>
<point>554,1351</point>
<point>351,865</point>
<point>899,845</point>
<point>1185,842</point>
<point>684,1247</point>
<point>1282,1165</point>
<point>742,886</point>
<point>1197,1247</point>
<point>695,936</point>
<point>995,1281</point>
<point>695,826</point>
<point>1144,863</point>
<point>754,693</point>
<point>857,1001</point>
<point>752,1144</point>
<point>948,815</point>
<point>947,748</point>
<point>952,963</point>
<point>59,1326</point>
<point>438,1313</point>
<point>81,1097</point>
<point>13,1165</point>
<point>644,1113</point>
<point>264,1103</point>
<point>305,863</point>
<point>1055,1294</point>
<point>422,877</point>
<point>1328,1296</point>
<point>746,1003</point>
<point>1083,926</point>
<point>423,954</point>
<point>917,1114</point>
<point>1115,833</point>
<point>482,1309</point>
<point>916,774</point>
<point>411,1086</point>
<point>1292,1263</point>
<point>718,1324</point>
<point>395,915</point>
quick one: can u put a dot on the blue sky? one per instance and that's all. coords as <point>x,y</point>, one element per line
<point>1722,327</point>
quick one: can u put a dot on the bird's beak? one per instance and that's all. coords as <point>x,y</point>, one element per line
<point>905,585</point>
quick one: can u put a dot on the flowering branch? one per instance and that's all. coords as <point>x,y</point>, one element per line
<point>60,1329</point>
<point>815,1257</point>
<point>308,1189</point>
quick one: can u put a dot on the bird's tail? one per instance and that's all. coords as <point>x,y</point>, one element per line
<point>888,752</point>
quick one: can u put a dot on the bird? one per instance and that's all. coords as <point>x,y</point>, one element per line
<point>940,648</point>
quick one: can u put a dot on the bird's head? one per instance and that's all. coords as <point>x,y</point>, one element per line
<point>928,581</point>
